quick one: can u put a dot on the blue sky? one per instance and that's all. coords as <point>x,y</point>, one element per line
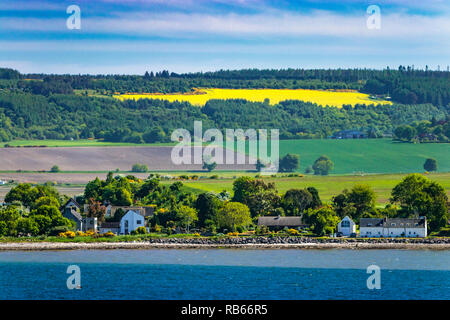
<point>130,37</point>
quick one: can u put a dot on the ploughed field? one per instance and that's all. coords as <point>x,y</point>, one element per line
<point>321,97</point>
<point>353,156</point>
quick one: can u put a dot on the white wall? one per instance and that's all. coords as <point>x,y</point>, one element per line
<point>132,218</point>
<point>347,231</point>
<point>373,232</point>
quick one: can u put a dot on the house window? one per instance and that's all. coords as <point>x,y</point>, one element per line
<point>345,224</point>
<point>138,222</point>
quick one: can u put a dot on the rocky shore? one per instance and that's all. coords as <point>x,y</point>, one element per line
<point>240,243</point>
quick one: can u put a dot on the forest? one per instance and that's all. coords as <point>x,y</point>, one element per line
<point>38,106</point>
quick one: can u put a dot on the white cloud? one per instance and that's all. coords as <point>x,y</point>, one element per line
<point>180,25</point>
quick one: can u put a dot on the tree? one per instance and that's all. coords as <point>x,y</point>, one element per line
<point>260,197</point>
<point>316,198</point>
<point>187,215</point>
<point>322,166</point>
<point>155,134</point>
<point>430,164</point>
<point>322,220</point>
<point>209,166</point>
<point>96,210</point>
<point>233,215</point>
<point>358,202</point>
<point>55,168</point>
<point>295,201</point>
<point>289,163</point>
<point>207,205</point>
<point>137,167</point>
<point>419,196</point>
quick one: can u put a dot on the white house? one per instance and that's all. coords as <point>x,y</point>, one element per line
<point>397,227</point>
<point>131,221</point>
<point>346,227</point>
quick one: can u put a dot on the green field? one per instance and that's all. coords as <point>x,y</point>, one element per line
<point>328,186</point>
<point>369,155</point>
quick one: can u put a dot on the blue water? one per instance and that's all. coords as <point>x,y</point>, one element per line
<point>225,274</point>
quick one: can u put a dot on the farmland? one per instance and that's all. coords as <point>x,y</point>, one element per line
<point>327,186</point>
<point>349,156</point>
<point>321,97</point>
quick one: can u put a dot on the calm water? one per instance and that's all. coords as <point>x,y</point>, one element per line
<point>225,274</point>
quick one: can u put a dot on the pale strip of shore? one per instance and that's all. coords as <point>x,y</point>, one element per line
<point>42,246</point>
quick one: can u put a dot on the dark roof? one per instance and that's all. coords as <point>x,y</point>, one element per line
<point>72,212</point>
<point>110,225</point>
<point>280,221</point>
<point>73,200</point>
<point>392,222</point>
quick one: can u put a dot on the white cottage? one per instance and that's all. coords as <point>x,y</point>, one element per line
<point>346,227</point>
<point>397,227</point>
<point>131,221</point>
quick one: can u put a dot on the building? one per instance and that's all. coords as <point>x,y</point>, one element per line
<point>146,211</point>
<point>346,227</point>
<point>113,227</point>
<point>90,224</point>
<point>71,203</point>
<point>349,134</point>
<point>397,227</point>
<point>131,221</point>
<point>71,214</point>
<point>278,222</point>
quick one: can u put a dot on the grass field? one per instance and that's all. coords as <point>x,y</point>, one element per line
<point>321,97</point>
<point>369,155</point>
<point>328,186</point>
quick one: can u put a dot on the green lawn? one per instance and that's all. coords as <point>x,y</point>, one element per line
<point>328,186</point>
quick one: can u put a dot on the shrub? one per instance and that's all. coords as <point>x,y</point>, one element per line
<point>140,230</point>
<point>137,167</point>
<point>55,168</point>
<point>108,234</point>
<point>293,232</point>
<point>232,234</point>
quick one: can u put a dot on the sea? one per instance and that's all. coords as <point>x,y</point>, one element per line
<point>225,274</point>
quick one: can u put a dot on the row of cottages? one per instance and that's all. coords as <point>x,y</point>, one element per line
<point>132,220</point>
<point>396,227</point>
<point>368,227</point>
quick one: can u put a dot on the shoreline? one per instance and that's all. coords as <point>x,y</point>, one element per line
<point>44,246</point>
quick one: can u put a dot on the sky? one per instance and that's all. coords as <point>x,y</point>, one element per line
<point>134,36</point>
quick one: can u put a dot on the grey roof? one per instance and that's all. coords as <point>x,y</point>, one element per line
<point>392,222</point>
<point>75,214</point>
<point>280,221</point>
<point>110,225</point>
<point>74,201</point>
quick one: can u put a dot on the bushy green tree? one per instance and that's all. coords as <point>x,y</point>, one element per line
<point>323,165</point>
<point>418,196</point>
<point>289,163</point>
<point>233,215</point>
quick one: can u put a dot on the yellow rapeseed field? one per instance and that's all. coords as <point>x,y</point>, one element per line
<point>200,96</point>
